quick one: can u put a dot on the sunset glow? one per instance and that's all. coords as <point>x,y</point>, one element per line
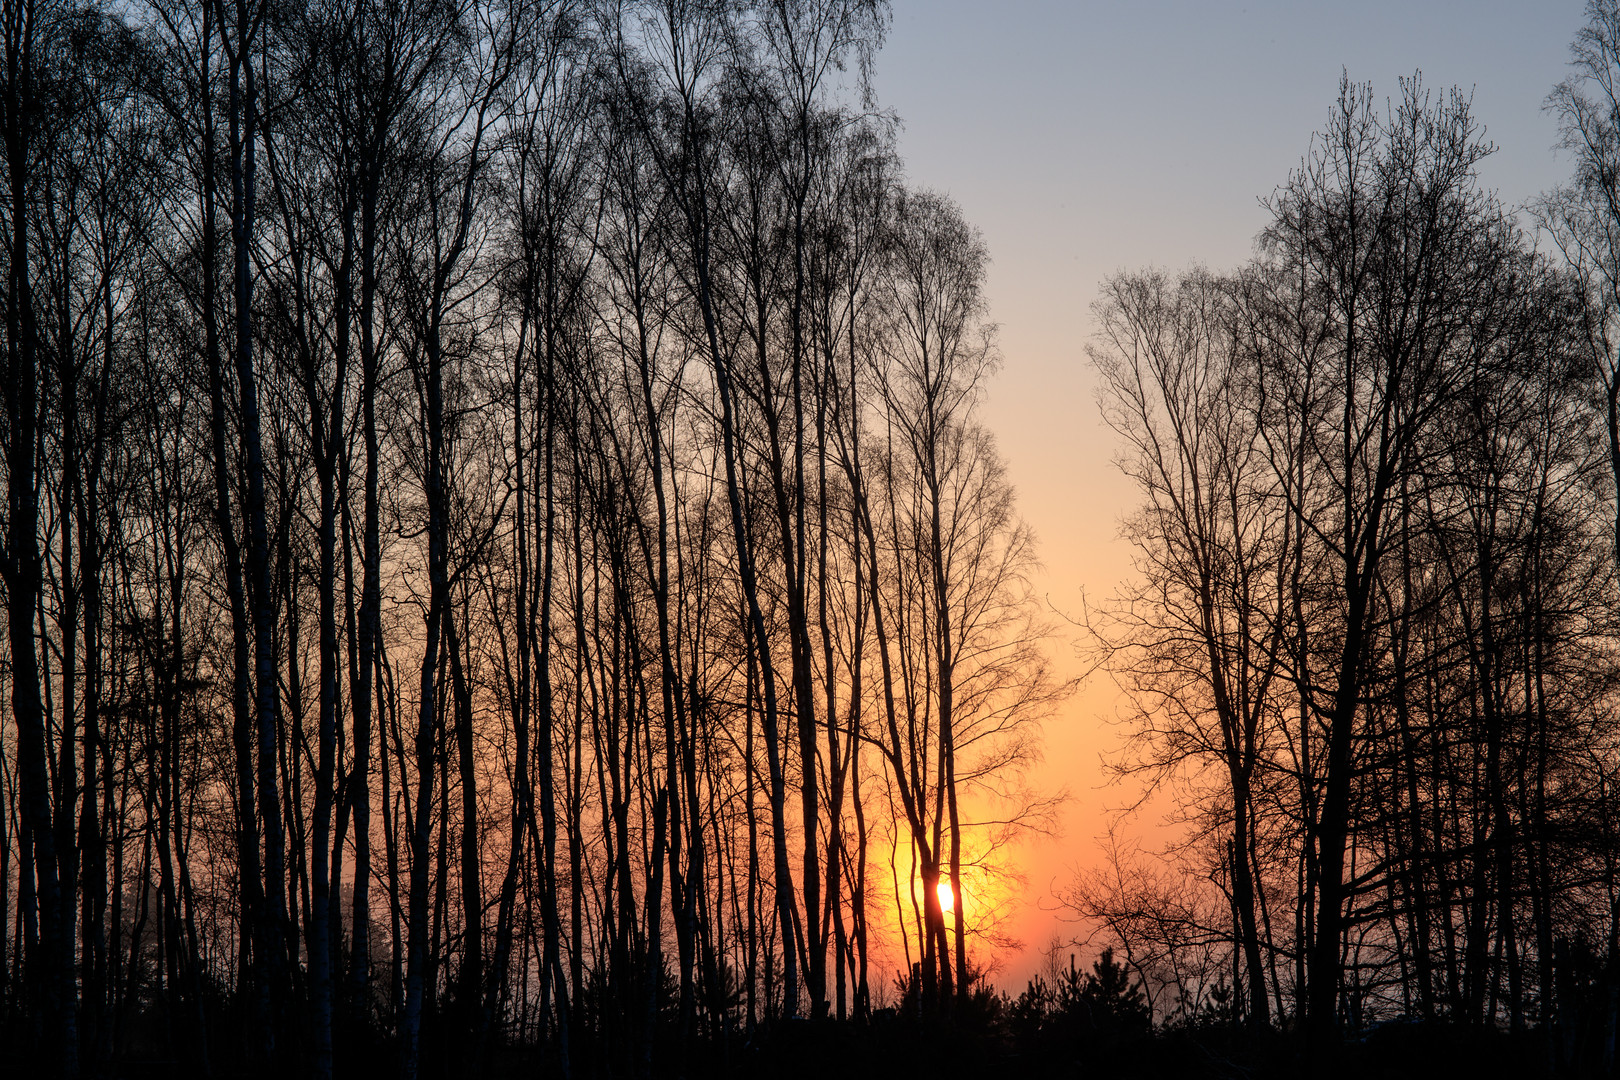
<point>539,576</point>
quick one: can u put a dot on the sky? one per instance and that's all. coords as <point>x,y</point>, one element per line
<point>1094,136</point>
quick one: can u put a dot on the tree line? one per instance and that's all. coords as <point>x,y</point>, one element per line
<point>1371,645</point>
<point>501,552</point>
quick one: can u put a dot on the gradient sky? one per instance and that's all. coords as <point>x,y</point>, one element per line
<point>1099,135</point>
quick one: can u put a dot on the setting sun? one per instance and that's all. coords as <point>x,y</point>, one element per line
<point>947,899</point>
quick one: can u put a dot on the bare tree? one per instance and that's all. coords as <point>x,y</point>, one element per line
<point>1215,544</point>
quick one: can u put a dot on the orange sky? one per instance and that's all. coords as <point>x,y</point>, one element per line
<point>1088,137</point>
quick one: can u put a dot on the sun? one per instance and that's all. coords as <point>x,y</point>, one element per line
<point>947,899</point>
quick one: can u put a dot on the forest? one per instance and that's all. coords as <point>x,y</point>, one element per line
<point>506,572</point>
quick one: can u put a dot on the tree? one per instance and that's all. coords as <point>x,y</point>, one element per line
<point>485,342</point>
<point>1357,455</point>
<point>970,683</point>
<point>1203,632</point>
<point>49,961</point>
<point>1388,237</point>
